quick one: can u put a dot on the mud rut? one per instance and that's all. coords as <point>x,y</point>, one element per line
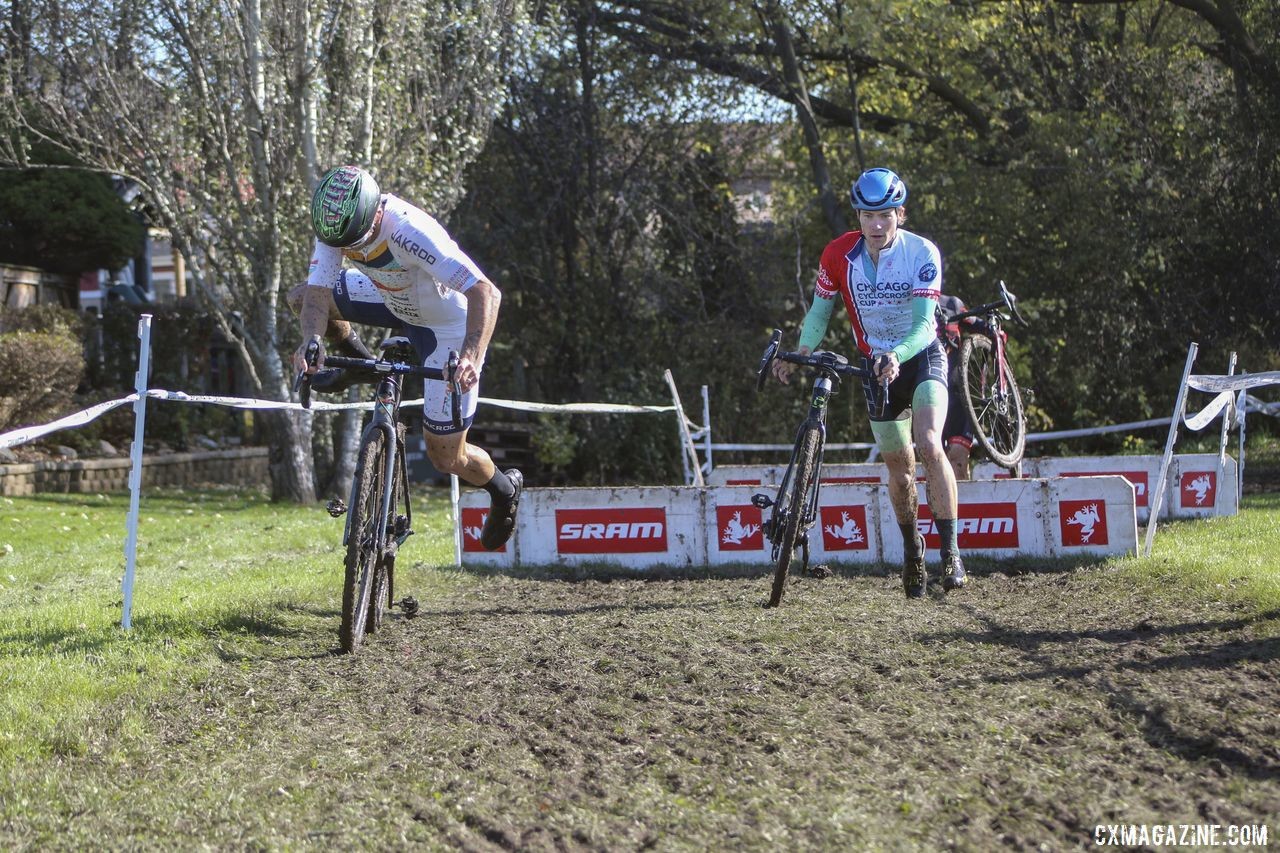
<point>523,713</point>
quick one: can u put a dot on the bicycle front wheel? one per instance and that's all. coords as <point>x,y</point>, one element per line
<point>998,419</point>
<point>793,503</point>
<point>363,543</point>
<point>379,599</point>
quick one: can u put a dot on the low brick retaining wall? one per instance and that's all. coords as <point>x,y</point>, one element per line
<point>243,466</point>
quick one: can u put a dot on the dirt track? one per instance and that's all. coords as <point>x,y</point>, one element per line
<point>525,713</point>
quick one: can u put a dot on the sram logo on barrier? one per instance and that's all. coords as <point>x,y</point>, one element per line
<point>739,528</point>
<point>1138,478</point>
<point>1198,489</point>
<point>473,519</point>
<point>989,525</point>
<point>633,530</point>
<point>844,528</point>
<point>1083,522</point>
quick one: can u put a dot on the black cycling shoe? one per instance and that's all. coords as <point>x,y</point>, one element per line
<point>332,380</point>
<point>501,522</point>
<point>914,577</point>
<point>953,573</point>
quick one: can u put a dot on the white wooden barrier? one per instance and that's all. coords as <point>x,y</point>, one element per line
<point>686,526</point>
<point>1196,487</point>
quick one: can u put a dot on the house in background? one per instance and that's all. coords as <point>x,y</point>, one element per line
<point>157,276</point>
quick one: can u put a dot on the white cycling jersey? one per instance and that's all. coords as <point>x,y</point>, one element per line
<point>418,269</point>
<point>879,304</point>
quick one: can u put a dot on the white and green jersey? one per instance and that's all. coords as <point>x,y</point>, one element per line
<point>417,268</point>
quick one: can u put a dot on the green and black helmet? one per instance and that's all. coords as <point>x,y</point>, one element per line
<point>344,205</point>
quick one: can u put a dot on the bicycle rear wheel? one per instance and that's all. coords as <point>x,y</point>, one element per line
<point>792,502</point>
<point>363,544</point>
<point>999,421</point>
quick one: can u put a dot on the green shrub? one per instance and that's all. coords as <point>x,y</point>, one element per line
<point>39,374</point>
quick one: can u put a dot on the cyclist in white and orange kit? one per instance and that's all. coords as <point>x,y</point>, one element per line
<point>406,272</point>
<point>889,280</point>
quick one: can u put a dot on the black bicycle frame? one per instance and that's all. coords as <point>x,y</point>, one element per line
<point>386,413</point>
<point>822,388</point>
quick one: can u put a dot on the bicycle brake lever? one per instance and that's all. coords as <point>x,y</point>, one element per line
<point>455,398</point>
<point>1012,302</point>
<point>766,360</point>
<point>302,382</point>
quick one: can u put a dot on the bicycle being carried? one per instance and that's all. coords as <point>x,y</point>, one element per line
<point>795,508</point>
<point>379,516</point>
<point>990,392</point>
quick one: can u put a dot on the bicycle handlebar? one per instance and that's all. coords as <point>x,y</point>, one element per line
<point>377,368</point>
<point>822,360</point>
<point>1007,301</point>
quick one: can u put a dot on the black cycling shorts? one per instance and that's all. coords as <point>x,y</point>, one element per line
<point>929,364</point>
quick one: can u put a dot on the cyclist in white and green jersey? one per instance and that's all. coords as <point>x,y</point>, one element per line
<point>890,280</point>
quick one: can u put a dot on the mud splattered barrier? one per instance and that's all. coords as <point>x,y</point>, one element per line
<point>644,527</point>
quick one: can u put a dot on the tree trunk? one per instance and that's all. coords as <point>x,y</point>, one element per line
<point>831,210</point>
<point>346,445</point>
<point>288,436</point>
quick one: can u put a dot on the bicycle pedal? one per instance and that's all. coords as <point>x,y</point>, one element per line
<point>761,501</point>
<point>336,508</point>
<point>408,606</point>
<point>400,527</point>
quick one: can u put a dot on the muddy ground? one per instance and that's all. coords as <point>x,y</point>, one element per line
<point>549,713</point>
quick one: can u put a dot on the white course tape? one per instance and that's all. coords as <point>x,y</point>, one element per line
<point>25,434</point>
<point>577,408</point>
<point>1233,383</point>
<point>1209,413</point>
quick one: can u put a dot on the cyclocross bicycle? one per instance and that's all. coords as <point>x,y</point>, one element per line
<point>990,391</point>
<point>795,508</point>
<point>379,518</point>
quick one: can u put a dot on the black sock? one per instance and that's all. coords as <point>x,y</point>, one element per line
<point>947,530</point>
<point>500,488</point>
<point>909,539</point>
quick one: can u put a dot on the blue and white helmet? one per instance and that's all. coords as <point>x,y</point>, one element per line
<point>878,189</point>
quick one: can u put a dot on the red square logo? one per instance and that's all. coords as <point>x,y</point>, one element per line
<point>844,528</point>
<point>1083,522</point>
<point>1199,489</point>
<point>985,525</point>
<point>739,528</point>
<point>473,519</point>
<point>621,530</point>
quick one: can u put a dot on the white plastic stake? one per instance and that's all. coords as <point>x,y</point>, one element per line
<point>135,472</point>
<point>1179,408</point>
<point>689,453</point>
<point>455,497</point>
<point>1226,424</point>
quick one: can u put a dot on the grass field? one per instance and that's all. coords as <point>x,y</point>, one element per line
<point>551,711</point>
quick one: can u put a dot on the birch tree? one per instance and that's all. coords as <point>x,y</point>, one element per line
<point>225,113</point>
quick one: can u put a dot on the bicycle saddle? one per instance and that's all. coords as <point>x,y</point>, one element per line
<point>397,347</point>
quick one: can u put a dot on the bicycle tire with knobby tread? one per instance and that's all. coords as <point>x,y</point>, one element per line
<point>1002,436</point>
<point>362,544</point>
<point>801,484</point>
<point>380,598</point>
